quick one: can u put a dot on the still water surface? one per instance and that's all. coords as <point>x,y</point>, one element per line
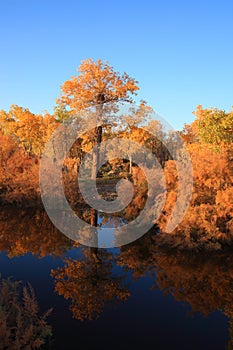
<point>134,296</point>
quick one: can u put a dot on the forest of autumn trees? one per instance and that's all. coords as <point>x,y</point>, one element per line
<point>209,219</point>
<point>209,139</point>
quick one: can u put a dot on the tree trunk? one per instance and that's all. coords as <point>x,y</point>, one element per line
<point>98,136</point>
<point>96,155</point>
<point>130,165</point>
<point>93,217</point>
<point>94,250</point>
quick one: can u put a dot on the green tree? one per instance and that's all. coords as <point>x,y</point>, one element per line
<point>215,126</point>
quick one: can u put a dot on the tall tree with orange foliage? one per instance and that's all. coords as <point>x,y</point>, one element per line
<point>96,84</point>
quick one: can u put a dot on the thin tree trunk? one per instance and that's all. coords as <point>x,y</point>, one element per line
<point>95,167</point>
<point>94,250</point>
<point>96,153</point>
<point>93,217</point>
<point>98,136</point>
<point>130,165</point>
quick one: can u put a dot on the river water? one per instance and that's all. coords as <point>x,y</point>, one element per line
<point>135,296</point>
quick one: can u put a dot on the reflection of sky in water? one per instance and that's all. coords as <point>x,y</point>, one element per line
<point>106,230</point>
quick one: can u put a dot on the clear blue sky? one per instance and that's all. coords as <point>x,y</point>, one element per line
<point>181,52</point>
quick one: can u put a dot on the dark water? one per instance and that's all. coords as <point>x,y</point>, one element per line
<point>134,296</point>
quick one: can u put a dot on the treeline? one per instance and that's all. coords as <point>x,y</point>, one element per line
<point>209,140</point>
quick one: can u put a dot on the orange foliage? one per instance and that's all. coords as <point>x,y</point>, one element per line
<point>209,218</point>
<point>24,231</point>
<point>101,286</point>
<point>29,130</point>
<point>19,175</point>
<point>95,80</point>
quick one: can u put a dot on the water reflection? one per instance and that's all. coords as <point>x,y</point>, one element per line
<point>97,279</point>
<point>90,283</point>
<point>30,231</point>
<point>205,282</point>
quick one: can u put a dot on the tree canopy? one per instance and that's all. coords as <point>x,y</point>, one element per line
<point>96,83</point>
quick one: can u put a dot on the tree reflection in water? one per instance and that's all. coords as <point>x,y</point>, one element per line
<point>202,280</point>
<point>30,231</point>
<point>90,283</point>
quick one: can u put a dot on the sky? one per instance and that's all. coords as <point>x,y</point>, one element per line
<point>180,52</point>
